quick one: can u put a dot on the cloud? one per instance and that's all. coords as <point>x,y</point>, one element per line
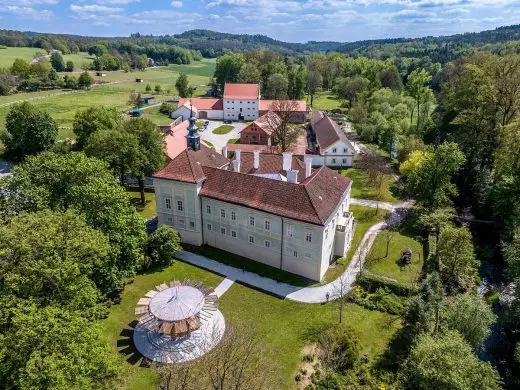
<point>28,12</point>
<point>176,4</point>
<point>28,3</point>
<point>95,8</point>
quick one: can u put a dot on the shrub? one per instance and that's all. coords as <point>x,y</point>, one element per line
<point>161,246</point>
<point>298,378</point>
<point>338,347</point>
<point>167,108</point>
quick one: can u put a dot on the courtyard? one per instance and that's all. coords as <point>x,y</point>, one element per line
<point>218,141</point>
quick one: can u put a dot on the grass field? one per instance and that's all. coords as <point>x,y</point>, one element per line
<point>365,217</point>
<point>147,211</point>
<point>223,129</point>
<point>326,101</point>
<point>282,325</point>
<point>362,189</point>
<point>63,105</point>
<point>9,54</point>
<point>380,264</point>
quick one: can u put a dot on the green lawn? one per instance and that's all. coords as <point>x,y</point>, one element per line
<point>148,210</point>
<point>380,264</point>
<point>282,325</point>
<point>62,107</point>
<point>326,101</point>
<point>223,129</point>
<point>210,144</point>
<point>156,117</point>
<point>362,189</point>
<point>365,217</point>
<point>9,54</point>
<point>233,141</point>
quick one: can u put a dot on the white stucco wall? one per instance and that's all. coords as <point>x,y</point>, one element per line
<point>336,155</point>
<point>186,221</point>
<point>182,111</point>
<point>249,108</point>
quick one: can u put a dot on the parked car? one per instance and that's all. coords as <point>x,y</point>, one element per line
<point>206,124</point>
<point>228,121</point>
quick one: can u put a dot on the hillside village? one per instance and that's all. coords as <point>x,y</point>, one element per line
<point>256,221</point>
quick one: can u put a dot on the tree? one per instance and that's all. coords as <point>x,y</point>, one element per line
<point>437,220</point>
<point>8,82</point>
<point>456,258</point>
<point>339,347</point>
<point>471,316</point>
<point>29,131</point>
<point>93,119</point>
<point>277,85</point>
<point>447,362</point>
<point>86,186</point>
<point>21,68</point>
<point>52,259</point>
<point>148,88</point>
<point>119,149</point>
<point>135,99</point>
<point>297,78</point>
<point>161,246</point>
<point>339,291</point>
<point>51,348</point>
<point>390,78</point>
<point>182,85</point>
<point>228,68</point>
<point>57,62</point>
<point>418,88</point>
<point>430,183</point>
<point>157,89</point>
<point>378,170</point>
<point>151,149</point>
<point>250,74</point>
<point>85,80</point>
<point>314,83</point>
<point>349,87</point>
<point>279,120</point>
<point>69,67</point>
<point>511,253</point>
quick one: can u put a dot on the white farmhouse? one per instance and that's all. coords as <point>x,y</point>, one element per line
<point>332,145</point>
<point>241,101</point>
<point>270,208</point>
<point>202,108</point>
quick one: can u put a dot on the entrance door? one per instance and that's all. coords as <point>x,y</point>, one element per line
<point>203,115</point>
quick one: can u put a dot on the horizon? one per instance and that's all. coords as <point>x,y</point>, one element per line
<point>297,21</point>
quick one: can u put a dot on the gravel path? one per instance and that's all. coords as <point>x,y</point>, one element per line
<point>317,294</point>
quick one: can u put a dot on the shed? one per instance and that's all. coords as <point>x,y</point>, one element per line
<point>100,74</point>
<point>149,100</point>
<point>139,80</point>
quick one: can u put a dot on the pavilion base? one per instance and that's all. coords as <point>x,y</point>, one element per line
<point>160,348</point>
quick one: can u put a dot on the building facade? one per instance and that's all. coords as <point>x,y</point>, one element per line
<point>270,208</point>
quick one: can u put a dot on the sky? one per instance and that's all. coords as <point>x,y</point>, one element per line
<point>292,20</point>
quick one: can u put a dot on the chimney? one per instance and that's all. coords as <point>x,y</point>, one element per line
<point>292,176</point>
<point>308,166</point>
<point>287,161</point>
<point>256,159</point>
<point>236,163</point>
<point>224,151</point>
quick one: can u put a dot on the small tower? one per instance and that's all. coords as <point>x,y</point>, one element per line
<point>193,137</point>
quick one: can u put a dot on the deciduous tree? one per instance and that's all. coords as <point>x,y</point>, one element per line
<point>161,246</point>
<point>93,119</point>
<point>284,134</point>
<point>182,85</point>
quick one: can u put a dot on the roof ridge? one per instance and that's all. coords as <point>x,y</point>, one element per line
<point>312,203</point>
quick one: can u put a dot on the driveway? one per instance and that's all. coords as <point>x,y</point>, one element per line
<point>219,141</point>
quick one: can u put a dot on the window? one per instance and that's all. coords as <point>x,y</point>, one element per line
<point>209,226</point>
<point>267,244</point>
<point>251,239</point>
<point>345,150</point>
<point>251,221</point>
<point>333,150</point>
<point>344,161</point>
<point>168,203</point>
<point>234,233</point>
<point>223,231</point>
<point>295,253</point>
<point>180,206</point>
<point>326,233</point>
<point>208,209</point>
<point>267,225</point>
<point>222,213</point>
<point>192,225</point>
<point>170,219</point>
<point>180,222</point>
<point>233,216</point>
<point>290,231</point>
<point>334,161</point>
<point>308,237</point>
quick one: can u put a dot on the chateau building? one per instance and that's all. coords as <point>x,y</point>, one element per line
<point>271,208</point>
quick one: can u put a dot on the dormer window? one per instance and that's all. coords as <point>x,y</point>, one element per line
<point>333,150</point>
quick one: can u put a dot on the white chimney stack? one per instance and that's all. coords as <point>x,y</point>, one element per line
<point>287,161</point>
<point>237,160</point>
<point>224,151</point>
<point>236,166</point>
<point>292,176</point>
<point>256,159</point>
<point>308,166</point>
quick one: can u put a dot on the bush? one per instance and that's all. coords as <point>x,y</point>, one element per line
<point>372,282</point>
<point>167,108</point>
<point>161,246</point>
<point>381,300</point>
<point>298,378</point>
<point>339,347</point>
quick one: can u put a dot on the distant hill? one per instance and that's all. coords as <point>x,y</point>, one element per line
<point>213,44</point>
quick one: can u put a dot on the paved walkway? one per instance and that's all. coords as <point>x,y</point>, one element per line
<point>316,294</point>
<point>223,286</point>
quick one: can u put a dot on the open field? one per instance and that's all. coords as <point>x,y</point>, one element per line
<point>325,101</point>
<point>362,189</point>
<point>9,54</point>
<point>389,266</point>
<point>63,105</point>
<point>282,325</point>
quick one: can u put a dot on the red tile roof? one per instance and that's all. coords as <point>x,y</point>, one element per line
<point>265,105</point>
<point>187,165</point>
<point>202,103</point>
<point>241,91</point>
<point>265,122</point>
<point>295,150</point>
<point>312,201</point>
<point>327,131</point>
<point>268,163</point>
<point>175,140</point>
